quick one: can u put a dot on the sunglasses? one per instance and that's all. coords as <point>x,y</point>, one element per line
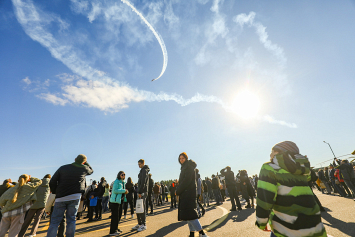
<point>123,174</point>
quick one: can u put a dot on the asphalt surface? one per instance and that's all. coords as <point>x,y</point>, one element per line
<point>218,220</point>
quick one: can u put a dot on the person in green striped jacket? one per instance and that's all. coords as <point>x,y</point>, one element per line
<point>284,199</point>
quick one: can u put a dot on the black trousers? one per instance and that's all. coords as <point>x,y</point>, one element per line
<point>115,207</point>
<point>91,212</point>
<point>148,202</point>
<point>125,206</point>
<point>98,209</point>
<point>233,194</point>
<point>173,200</point>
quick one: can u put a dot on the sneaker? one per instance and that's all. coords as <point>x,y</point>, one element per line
<point>132,216</point>
<point>239,209</point>
<point>203,235</point>
<point>136,227</point>
<point>142,227</point>
<point>115,233</point>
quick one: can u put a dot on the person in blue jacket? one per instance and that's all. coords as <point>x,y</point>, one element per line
<point>116,199</point>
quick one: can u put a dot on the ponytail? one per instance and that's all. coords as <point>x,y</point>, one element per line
<point>21,181</point>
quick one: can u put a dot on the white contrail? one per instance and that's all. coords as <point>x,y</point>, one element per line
<point>159,38</point>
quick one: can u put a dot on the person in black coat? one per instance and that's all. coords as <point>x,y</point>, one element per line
<point>247,189</point>
<point>129,197</point>
<point>232,187</point>
<point>172,190</point>
<point>150,194</point>
<point>187,210</point>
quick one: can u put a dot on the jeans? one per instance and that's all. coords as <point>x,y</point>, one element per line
<point>272,235</point>
<point>104,203</point>
<point>71,208</point>
<point>206,199</point>
<point>194,225</point>
<point>98,208</point>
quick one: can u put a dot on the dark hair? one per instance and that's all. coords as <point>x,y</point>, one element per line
<point>119,175</point>
<point>47,176</point>
<point>184,155</point>
<point>102,179</point>
<point>129,180</point>
<point>141,161</point>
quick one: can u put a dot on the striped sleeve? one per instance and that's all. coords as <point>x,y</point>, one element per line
<point>266,195</point>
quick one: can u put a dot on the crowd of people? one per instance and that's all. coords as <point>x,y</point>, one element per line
<point>337,178</point>
<point>283,192</point>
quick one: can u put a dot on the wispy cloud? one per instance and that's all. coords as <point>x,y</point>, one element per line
<point>94,88</point>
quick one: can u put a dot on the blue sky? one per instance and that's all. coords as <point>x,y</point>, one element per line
<point>76,78</point>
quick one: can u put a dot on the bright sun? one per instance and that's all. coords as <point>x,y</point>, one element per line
<point>246,104</point>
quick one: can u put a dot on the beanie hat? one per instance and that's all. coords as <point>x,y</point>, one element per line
<point>80,159</point>
<point>287,146</point>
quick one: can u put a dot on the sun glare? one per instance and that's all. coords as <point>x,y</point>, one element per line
<point>246,104</point>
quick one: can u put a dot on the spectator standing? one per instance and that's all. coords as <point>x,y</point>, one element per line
<point>210,190</point>
<point>205,194</point>
<point>49,209</point>
<point>105,198</point>
<point>143,186</point>
<point>162,188</point>
<point>335,182</point>
<point>118,190</point>
<point>156,191</point>
<point>347,173</point>
<point>37,209</point>
<point>283,185</point>
<point>322,178</point>
<point>187,195</point>
<point>216,190</point>
<point>91,193</point>
<point>232,187</point>
<point>4,187</point>
<point>100,192</point>
<point>68,183</point>
<point>150,195</point>
<point>15,202</point>
<point>172,190</point>
<point>129,197</point>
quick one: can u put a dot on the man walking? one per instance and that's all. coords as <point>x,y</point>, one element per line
<point>232,187</point>
<point>143,186</point>
<point>68,183</point>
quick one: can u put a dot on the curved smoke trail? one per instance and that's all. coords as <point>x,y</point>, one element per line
<point>157,36</point>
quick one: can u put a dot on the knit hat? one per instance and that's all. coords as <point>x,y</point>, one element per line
<point>80,159</point>
<point>287,146</point>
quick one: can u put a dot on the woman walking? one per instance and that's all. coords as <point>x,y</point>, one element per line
<point>186,190</point>
<point>284,196</point>
<point>129,196</point>
<point>15,202</point>
<point>118,190</point>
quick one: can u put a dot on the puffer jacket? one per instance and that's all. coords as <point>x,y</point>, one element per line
<point>117,191</point>
<point>27,193</point>
<point>42,194</point>
<point>285,200</point>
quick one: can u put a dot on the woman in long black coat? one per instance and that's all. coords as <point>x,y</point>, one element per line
<point>187,190</point>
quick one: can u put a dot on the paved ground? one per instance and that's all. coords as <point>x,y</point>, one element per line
<point>339,221</point>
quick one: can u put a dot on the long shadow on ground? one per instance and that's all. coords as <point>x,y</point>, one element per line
<point>347,228</point>
<point>235,216</point>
